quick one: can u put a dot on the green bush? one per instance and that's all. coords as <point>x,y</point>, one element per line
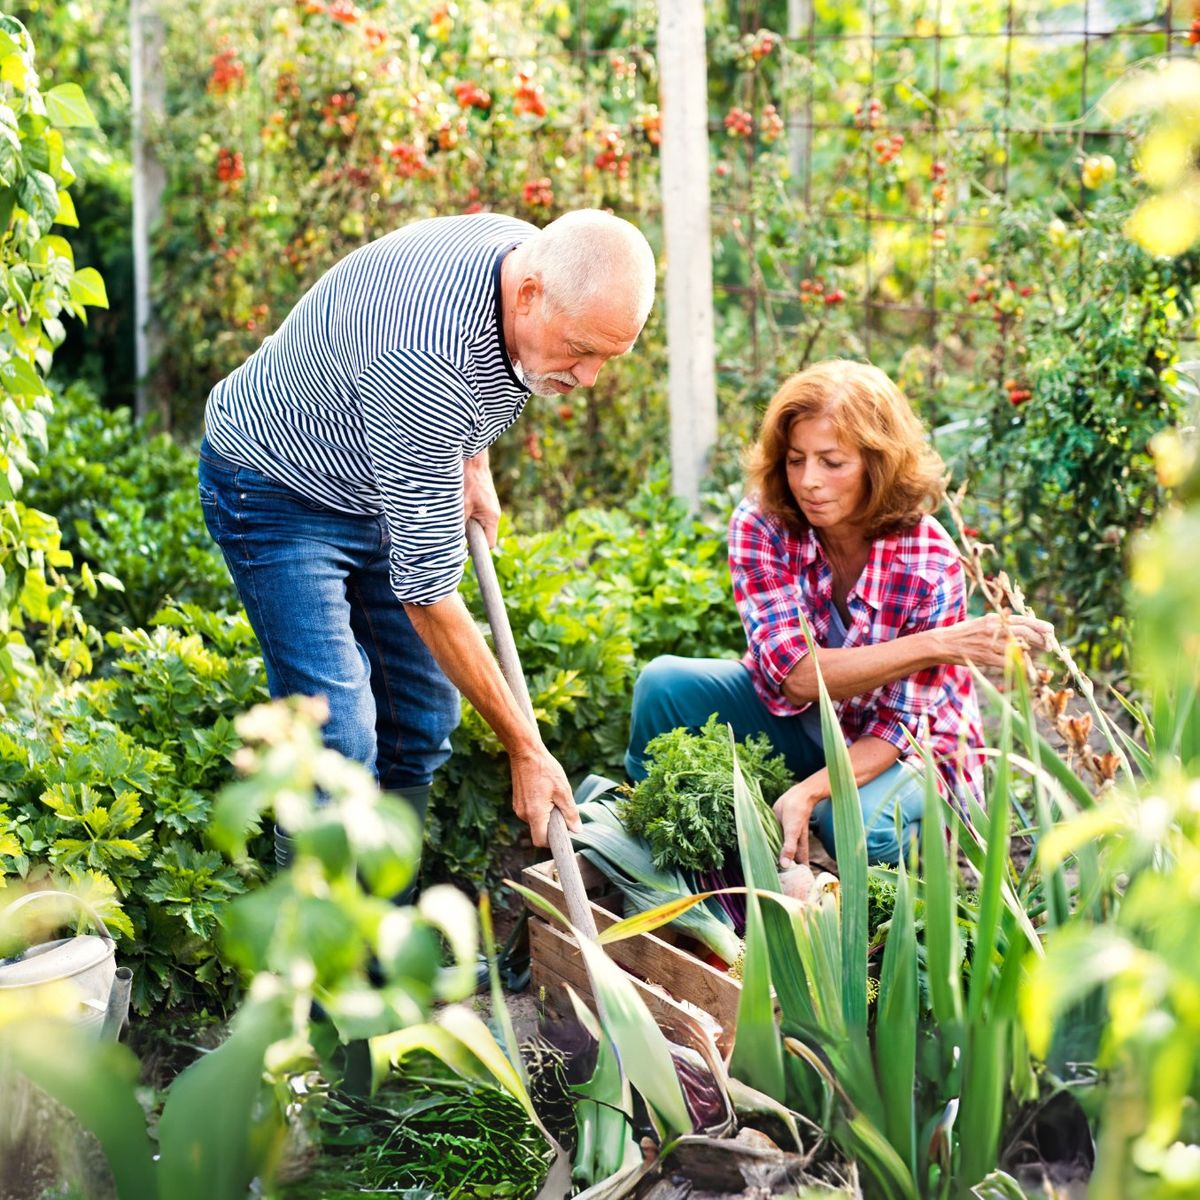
<point>127,504</point>
<point>41,287</point>
<point>110,784</point>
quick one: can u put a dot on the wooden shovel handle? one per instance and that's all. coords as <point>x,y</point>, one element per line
<point>578,908</point>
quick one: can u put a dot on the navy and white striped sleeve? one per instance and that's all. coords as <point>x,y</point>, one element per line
<point>419,411</point>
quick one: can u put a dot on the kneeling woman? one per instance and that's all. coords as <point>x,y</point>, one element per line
<point>836,527</point>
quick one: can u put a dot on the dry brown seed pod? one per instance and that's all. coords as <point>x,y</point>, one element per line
<point>1078,730</point>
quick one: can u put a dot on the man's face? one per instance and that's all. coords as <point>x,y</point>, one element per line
<point>558,352</point>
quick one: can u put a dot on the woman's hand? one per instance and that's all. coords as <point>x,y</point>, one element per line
<point>983,640</point>
<point>794,808</point>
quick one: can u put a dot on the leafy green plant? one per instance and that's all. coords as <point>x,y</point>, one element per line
<point>684,807</point>
<point>425,1128</point>
<point>41,287</point>
<point>626,860</point>
<point>312,934</point>
<point>111,785</point>
<point>920,1100</point>
<point>127,504</point>
<point>1138,964</point>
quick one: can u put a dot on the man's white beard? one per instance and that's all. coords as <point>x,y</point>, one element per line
<point>542,385</point>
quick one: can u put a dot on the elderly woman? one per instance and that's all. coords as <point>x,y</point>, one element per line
<point>835,529</point>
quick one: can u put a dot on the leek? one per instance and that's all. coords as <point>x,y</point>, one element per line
<point>628,864</point>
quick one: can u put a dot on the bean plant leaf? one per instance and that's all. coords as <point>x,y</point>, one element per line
<point>68,108</point>
<point>87,287</point>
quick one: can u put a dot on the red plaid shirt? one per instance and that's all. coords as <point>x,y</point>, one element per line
<point>913,580</point>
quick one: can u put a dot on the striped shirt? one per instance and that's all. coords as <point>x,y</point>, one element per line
<point>387,374</point>
<point>913,580</point>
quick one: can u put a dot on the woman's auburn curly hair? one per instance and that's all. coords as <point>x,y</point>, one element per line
<point>906,478</point>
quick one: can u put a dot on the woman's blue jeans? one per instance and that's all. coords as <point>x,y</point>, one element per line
<point>315,584</point>
<point>672,692</point>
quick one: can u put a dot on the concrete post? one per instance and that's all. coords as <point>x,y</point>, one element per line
<point>147,92</point>
<point>692,389</point>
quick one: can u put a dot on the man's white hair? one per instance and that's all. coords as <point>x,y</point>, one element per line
<point>588,254</point>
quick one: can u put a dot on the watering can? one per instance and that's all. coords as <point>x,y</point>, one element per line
<point>86,964</point>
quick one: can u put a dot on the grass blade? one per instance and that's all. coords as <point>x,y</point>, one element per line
<point>757,1057</point>
<point>851,840</point>
<point>942,950</point>
<point>896,1026</point>
<point>761,871</point>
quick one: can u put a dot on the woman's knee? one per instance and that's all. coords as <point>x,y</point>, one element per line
<point>883,841</point>
<point>664,697</point>
<point>884,845</point>
<point>672,691</point>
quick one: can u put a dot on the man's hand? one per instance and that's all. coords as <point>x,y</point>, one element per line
<point>480,502</point>
<point>540,785</point>
<point>794,809</point>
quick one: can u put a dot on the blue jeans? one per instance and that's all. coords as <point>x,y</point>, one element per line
<point>315,584</point>
<point>672,692</point>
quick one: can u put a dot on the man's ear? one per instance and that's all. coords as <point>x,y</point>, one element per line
<point>528,294</point>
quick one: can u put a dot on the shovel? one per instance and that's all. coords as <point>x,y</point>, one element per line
<point>578,908</point>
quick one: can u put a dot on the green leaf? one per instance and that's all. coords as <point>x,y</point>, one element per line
<point>645,1055</point>
<point>37,193</point>
<point>851,839</point>
<point>87,287</point>
<point>757,1056</point>
<point>994,876</point>
<point>644,1052</point>
<point>761,872</point>
<point>220,1119</point>
<point>942,949</point>
<point>896,1025</point>
<point>463,1042</point>
<point>66,211</point>
<point>52,246</point>
<point>453,916</point>
<point>95,1081</point>
<point>604,1111</point>
<point>14,70</point>
<point>67,107</point>
<point>19,378</point>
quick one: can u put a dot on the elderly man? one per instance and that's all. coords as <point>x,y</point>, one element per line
<point>341,460</point>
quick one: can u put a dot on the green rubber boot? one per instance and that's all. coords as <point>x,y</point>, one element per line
<point>418,798</point>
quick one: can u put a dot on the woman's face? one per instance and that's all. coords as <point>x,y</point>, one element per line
<point>827,478</point>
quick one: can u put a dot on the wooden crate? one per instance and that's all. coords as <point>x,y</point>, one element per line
<point>693,1003</point>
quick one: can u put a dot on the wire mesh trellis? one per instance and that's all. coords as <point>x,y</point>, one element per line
<point>1078,51</point>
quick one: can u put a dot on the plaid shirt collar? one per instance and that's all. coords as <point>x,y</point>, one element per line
<point>871,586</point>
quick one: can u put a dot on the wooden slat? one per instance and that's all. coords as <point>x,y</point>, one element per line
<point>645,956</point>
<point>556,962</point>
